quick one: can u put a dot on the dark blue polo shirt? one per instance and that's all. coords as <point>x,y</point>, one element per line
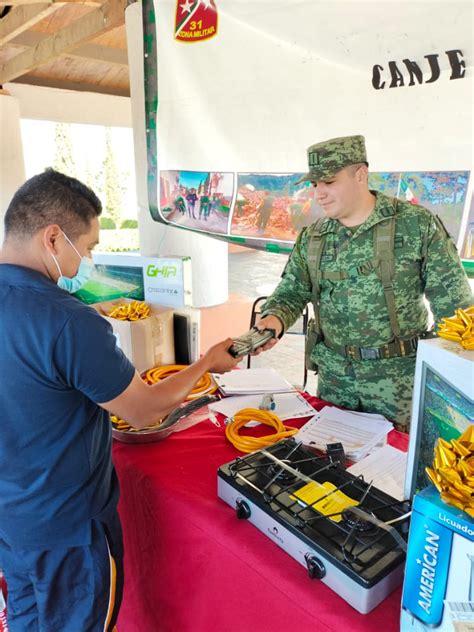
<point>58,358</point>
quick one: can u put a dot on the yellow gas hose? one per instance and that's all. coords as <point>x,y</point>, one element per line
<point>204,386</point>
<point>249,444</point>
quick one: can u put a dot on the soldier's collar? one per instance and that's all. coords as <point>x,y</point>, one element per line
<point>385,207</point>
<point>328,226</point>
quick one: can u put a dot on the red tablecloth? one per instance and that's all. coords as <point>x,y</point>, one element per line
<point>190,565</point>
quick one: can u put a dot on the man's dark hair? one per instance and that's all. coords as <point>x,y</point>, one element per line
<point>51,198</point>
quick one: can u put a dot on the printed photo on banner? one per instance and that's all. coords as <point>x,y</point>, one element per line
<point>272,206</point>
<point>442,192</point>
<point>467,250</point>
<point>385,181</point>
<point>269,209</point>
<point>197,199</point>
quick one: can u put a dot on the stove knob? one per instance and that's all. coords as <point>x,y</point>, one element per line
<point>242,510</point>
<point>316,569</point>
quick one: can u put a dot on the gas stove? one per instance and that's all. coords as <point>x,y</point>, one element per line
<point>347,533</point>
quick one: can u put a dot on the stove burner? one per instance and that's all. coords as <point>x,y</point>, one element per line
<point>367,542</point>
<point>357,524</point>
<point>280,474</point>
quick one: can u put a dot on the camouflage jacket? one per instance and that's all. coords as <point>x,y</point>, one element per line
<point>354,311</point>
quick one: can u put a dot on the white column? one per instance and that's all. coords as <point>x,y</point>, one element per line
<point>209,256</point>
<point>12,166</point>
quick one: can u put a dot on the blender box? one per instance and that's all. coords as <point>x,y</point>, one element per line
<point>438,590</point>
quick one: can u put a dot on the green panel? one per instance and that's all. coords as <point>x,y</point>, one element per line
<point>469,267</point>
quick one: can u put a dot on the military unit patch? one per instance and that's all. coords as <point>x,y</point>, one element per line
<point>195,21</point>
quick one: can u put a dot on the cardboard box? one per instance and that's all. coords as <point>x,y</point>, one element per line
<point>146,343</point>
<point>443,397</point>
<point>168,280</point>
<point>114,276</point>
<point>438,591</point>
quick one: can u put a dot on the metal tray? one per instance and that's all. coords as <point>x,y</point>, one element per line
<point>166,428</point>
<point>142,436</point>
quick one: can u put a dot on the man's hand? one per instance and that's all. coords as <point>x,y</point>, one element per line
<point>219,358</point>
<point>269,322</point>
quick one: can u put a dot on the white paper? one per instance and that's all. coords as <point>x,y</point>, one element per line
<point>248,381</point>
<point>385,468</point>
<point>287,405</point>
<point>358,432</point>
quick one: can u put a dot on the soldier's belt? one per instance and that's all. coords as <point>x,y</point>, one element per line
<point>394,349</point>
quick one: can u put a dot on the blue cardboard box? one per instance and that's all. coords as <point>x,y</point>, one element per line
<point>438,590</point>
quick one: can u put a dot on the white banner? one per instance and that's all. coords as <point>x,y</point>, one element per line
<point>245,87</point>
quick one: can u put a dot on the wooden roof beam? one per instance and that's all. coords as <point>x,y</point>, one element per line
<point>75,86</point>
<point>21,18</point>
<point>101,20</point>
<point>89,52</point>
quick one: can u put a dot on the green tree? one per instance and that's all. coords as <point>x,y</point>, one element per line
<point>94,180</point>
<point>113,191</point>
<point>107,223</point>
<point>63,152</point>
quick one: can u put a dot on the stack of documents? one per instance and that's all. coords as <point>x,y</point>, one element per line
<point>287,405</point>
<point>385,468</point>
<point>359,433</point>
<point>248,381</point>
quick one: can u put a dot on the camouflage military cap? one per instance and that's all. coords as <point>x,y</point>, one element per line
<point>327,158</point>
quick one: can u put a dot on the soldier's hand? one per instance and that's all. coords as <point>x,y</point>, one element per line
<point>219,358</point>
<point>269,322</point>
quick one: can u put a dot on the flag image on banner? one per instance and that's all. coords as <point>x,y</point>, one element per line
<point>195,21</point>
<point>409,195</point>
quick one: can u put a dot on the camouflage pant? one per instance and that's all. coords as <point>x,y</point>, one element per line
<point>373,386</point>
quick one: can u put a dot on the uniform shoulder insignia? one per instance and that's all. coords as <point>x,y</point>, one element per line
<point>321,226</point>
<point>389,206</point>
<point>386,211</point>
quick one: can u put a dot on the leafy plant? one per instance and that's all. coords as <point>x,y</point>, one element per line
<point>107,223</point>
<point>129,223</point>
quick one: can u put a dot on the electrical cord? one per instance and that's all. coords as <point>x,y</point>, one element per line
<point>204,386</point>
<point>245,443</point>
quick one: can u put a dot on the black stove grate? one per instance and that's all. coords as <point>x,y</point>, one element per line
<point>365,540</point>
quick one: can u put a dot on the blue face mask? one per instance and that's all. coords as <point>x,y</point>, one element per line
<point>73,284</point>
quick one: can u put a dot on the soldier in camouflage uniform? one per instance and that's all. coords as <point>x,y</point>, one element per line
<point>366,267</point>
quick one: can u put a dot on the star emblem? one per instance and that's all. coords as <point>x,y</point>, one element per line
<point>187,6</point>
<point>207,4</point>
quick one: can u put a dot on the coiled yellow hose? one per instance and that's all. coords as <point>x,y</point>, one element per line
<point>204,386</point>
<point>249,444</point>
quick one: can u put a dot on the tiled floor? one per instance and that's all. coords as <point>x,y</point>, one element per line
<point>253,273</point>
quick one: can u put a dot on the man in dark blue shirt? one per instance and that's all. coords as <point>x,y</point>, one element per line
<point>60,374</point>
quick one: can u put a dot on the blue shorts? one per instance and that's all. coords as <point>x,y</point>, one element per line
<point>77,589</point>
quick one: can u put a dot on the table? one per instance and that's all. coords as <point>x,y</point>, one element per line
<point>191,566</point>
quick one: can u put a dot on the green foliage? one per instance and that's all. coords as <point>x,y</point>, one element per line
<point>107,223</point>
<point>63,152</point>
<point>103,176</point>
<point>129,223</point>
<point>94,180</point>
<point>112,184</point>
